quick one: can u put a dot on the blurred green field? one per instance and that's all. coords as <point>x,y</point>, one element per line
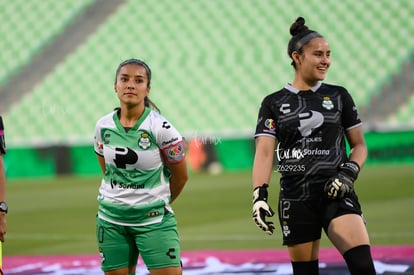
<point>57,216</point>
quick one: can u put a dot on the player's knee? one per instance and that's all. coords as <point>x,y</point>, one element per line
<point>359,260</point>
<point>306,268</point>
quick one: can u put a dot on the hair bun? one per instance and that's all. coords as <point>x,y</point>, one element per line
<point>298,26</point>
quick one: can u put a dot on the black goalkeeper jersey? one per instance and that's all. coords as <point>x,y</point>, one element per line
<point>309,127</point>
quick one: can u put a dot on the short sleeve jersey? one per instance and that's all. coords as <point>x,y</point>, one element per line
<point>2,139</point>
<point>135,187</point>
<point>309,127</point>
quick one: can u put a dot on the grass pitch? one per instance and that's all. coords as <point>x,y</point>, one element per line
<point>57,215</point>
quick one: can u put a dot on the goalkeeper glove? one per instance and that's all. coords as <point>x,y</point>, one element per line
<point>261,209</point>
<point>342,184</point>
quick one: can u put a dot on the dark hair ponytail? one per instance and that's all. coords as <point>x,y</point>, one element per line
<point>148,103</point>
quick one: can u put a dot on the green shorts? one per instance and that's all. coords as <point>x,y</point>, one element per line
<point>119,246</point>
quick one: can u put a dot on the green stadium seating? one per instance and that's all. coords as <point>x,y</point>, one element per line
<point>404,115</point>
<point>212,61</point>
<point>27,25</point>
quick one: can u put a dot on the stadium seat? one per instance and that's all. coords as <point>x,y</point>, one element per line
<point>28,25</point>
<point>212,61</point>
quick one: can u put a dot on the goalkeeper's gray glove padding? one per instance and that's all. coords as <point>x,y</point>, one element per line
<point>342,184</point>
<point>261,209</point>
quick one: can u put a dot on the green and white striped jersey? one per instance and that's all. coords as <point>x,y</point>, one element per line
<point>135,189</point>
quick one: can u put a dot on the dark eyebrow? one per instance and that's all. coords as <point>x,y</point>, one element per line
<point>321,51</point>
<point>136,76</point>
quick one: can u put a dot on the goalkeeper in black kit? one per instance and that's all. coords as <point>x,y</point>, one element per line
<point>304,128</point>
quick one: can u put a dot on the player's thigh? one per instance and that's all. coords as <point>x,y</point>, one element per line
<point>159,245</point>
<point>299,221</point>
<point>117,248</point>
<point>304,252</point>
<point>348,231</point>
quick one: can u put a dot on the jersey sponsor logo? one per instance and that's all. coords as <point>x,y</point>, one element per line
<point>312,139</point>
<point>123,185</point>
<point>169,141</point>
<point>124,156</point>
<point>327,103</point>
<point>309,121</point>
<point>144,141</point>
<point>298,153</point>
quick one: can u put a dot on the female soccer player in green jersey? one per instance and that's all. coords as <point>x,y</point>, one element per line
<point>142,157</point>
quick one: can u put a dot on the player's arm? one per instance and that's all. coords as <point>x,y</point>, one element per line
<point>262,170</point>
<point>263,160</point>
<point>356,140</point>
<point>342,184</point>
<point>178,178</point>
<point>101,161</point>
<point>175,159</point>
<point>98,146</point>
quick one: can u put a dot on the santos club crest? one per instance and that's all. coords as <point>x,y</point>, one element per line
<point>144,142</point>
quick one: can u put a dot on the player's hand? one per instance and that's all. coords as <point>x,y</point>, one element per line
<point>261,209</point>
<point>342,184</point>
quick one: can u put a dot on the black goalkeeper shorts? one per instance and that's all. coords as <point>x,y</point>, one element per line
<point>302,221</point>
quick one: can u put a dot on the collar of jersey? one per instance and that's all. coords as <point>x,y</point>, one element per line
<point>137,124</point>
<point>292,89</point>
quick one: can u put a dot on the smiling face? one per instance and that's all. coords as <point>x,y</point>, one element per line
<point>131,85</point>
<point>314,61</point>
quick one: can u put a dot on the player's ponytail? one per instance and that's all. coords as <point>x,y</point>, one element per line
<point>148,103</point>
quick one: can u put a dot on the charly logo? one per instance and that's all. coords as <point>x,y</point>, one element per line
<point>285,108</point>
